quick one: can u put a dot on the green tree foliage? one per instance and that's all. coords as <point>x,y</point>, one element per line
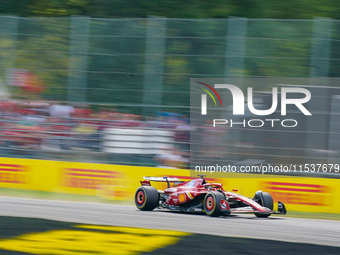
<point>289,9</point>
<point>40,46</point>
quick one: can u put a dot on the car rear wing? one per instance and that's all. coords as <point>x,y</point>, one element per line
<point>148,179</point>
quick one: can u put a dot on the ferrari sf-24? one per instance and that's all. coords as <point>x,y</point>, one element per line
<point>198,195</point>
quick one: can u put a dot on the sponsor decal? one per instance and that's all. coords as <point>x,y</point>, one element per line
<point>88,178</point>
<point>190,196</point>
<point>13,173</point>
<point>182,198</point>
<point>298,193</point>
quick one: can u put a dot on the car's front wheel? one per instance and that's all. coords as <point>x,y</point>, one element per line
<point>146,198</point>
<point>266,200</point>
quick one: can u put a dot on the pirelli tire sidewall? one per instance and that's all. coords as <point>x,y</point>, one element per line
<point>266,200</point>
<point>146,198</point>
<point>212,203</point>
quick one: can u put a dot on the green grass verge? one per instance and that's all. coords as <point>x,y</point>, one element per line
<point>313,215</point>
<point>52,196</point>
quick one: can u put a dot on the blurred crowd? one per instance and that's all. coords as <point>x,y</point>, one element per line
<point>52,126</point>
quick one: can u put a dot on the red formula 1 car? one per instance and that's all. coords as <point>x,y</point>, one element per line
<point>200,196</point>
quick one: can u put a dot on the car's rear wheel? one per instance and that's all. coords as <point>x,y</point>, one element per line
<point>212,203</point>
<point>266,200</point>
<point>146,198</point>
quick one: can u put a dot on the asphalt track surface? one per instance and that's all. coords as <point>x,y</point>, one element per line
<point>321,232</point>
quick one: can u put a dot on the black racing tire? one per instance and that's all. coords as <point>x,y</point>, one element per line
<point>266,200</point>
<point>146,198</point>
<point>212,203</point>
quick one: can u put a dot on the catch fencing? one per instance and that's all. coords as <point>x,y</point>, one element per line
<point>132,76</point>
